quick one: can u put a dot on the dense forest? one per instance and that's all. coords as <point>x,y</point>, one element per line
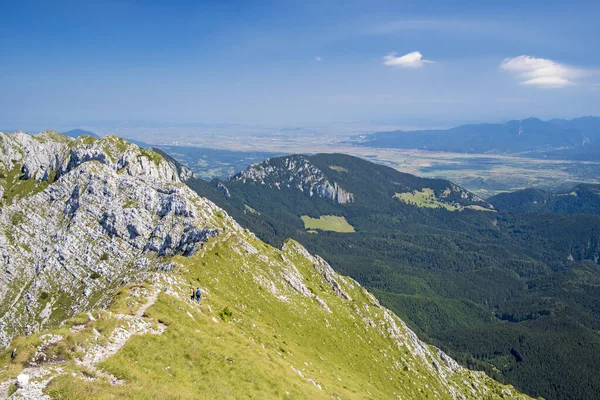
<point>581,199</point>
<point>514,294</point>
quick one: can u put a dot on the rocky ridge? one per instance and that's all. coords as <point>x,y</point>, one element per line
<point>99,213</point>
<point>294,172</point>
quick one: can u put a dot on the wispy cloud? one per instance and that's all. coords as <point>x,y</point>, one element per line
<point>317,58</point>
<point>410,60</point>
<point>541,72</point>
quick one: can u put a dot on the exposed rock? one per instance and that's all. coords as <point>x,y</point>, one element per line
<point>183,172</point>
<point>22,380</point>
<point>223,189</point>
<point>110,218</point>
<point>320,266</point>
<point>295,171</point>
<point>110,210</point>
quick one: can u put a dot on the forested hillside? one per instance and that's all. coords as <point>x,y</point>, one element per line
<point>513,294</point>
<point>581,199</point>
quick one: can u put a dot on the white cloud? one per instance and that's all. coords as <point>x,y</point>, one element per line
<point>541,72</point>
<point>410,60</point>
<point>317,58</point>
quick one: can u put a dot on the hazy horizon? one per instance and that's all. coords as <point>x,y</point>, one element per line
<point>188,131</point>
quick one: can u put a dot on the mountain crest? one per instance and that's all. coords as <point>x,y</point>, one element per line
<point>30,160</point>
<point>87,215</point>
<point>294,172</point>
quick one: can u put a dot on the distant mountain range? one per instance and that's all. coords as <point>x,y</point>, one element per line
<point>557,138</point>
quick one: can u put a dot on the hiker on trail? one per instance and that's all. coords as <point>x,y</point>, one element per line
<point>198,295</point>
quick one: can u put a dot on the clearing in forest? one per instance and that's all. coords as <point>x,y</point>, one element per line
<point>328,223</point>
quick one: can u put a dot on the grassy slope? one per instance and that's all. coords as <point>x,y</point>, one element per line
<point>328,223</point>
<point>425,198</point>
<point>251,350</point>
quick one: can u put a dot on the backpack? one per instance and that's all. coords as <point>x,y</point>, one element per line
<point>198,293</point>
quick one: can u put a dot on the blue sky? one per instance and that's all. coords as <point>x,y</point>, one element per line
<point>296,63</point>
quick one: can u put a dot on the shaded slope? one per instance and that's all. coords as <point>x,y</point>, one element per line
<point>581,199</point>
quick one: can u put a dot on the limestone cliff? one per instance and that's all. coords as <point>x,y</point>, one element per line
<point>295,172</point>
<point>98,214</point>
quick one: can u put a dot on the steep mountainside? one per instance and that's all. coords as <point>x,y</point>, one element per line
<point>84,216</point>
<point>513,294</point>
<point>555,138</point>
<point>101,245</point>
<point>581,199</point>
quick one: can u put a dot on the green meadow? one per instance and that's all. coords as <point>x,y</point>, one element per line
<point>328,223</point>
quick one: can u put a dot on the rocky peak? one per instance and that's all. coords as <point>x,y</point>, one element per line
<point>294,172</point>
<point>48,155</point>
<point>108,213</point>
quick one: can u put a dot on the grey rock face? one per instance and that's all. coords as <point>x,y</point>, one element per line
<point>297,172</point>
<point>111,213</point>
<point>183,172</point>
<point>466,195</point>
<point>223,189</point>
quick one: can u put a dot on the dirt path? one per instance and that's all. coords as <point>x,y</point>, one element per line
<point>40,376</point>
<point>135,325</point>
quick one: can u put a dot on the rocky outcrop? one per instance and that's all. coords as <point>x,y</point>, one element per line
<point>464,195</point>
<point>111,213</point>
<point>183,172</point>
<point>47,156</point>
<point>223,189</point>
<point>294,172</point>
